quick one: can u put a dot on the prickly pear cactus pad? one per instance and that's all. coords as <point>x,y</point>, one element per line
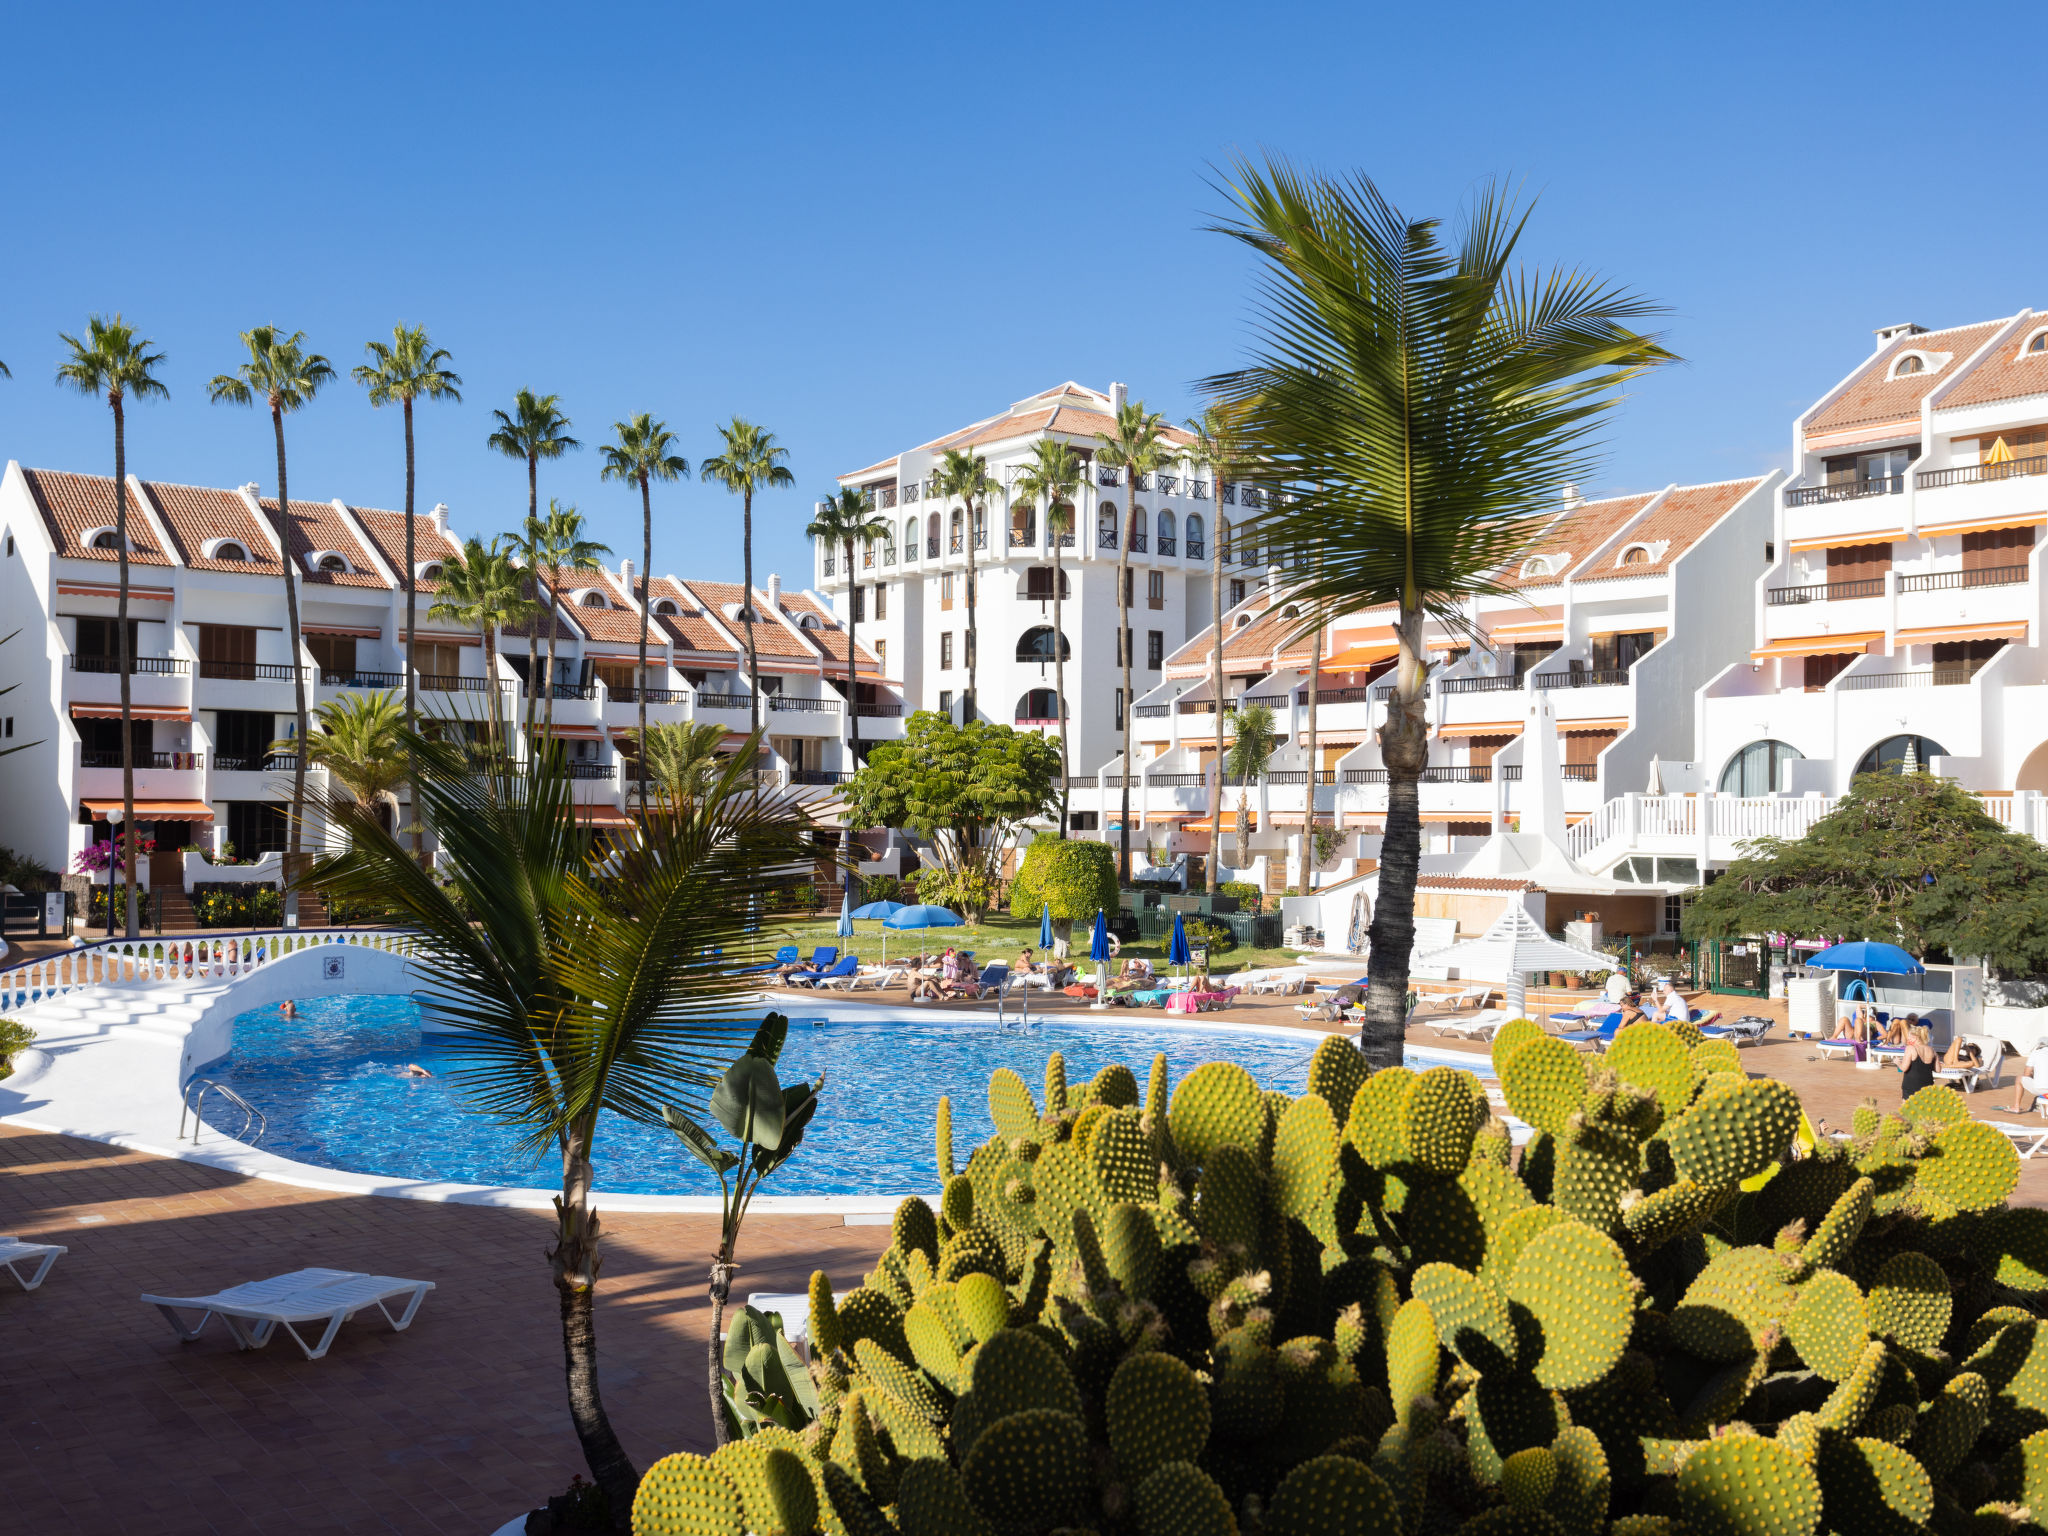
<point>1237,1311</point>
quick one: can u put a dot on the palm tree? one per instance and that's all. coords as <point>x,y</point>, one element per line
<point>848,518</point>
<point>361,742</point>
<point>487,592</point>
<point>1212,449</point>
<point>966,476</point>
<point>1053,476</point>
<point>536,429</point>
<point>1425,398</point>
<point>1252,745</point>
<point>684,758</point>
<point>549,544</point>
<point>1137,447</point>
<point>752,462</point>
<point>112,364</point>
<point>576,1006</point>
<point>286,376</point>
<point>1315,699</point>
<point>641,454</point>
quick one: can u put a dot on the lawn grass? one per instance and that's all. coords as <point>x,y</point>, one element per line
<point>998,937</point>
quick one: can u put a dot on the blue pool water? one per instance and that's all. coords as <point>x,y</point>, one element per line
<point>332,1084</point>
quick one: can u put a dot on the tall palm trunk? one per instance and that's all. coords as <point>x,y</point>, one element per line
<point>1404,748</point>
<point>746,607</point>
<point>122,660</point>
<point>852,766</point>
<point>296,831</point>
<point>574,1260</point>
<point>547,683</point>
<point>1123,645</point>
<point>411,618</point>
<point>1059,666</point>
<point>1308,820</point>
<point>533,681</point>
<point>640,680</point>
<point>1216,680</point>
<point>973,650</point>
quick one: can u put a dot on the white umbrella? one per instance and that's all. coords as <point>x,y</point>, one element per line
<point>1512,948</point>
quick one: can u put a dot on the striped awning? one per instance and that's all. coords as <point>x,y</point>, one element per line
<point>1844,540</point>
<point>154,810</point>
<point>572,732</point>
<point>1818,645</point>
<point>113,589</point>
<point>135,712</point>
<point>1533,624</point>
<point>1983,525</point>
<point>1943,634</point>
<point>1482,728</point>
<point>347,631</point>
<point>1602,723</point>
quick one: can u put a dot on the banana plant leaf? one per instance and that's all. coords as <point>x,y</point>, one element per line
<point>768,1039</point>
<point>699,1142</point>
<point>799,1103</point>
<point>770,1384</point>
<point>748,1102</point>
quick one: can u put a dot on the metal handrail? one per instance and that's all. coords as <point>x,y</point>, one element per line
<point>1825,591</point>
<point>1965,580</point>
<point>1847,490</point>
<point>194,1105</point>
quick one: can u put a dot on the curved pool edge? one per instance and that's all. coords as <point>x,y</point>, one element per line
<point>110,1064</point>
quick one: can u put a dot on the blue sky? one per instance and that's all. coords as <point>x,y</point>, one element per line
<point>862,226</point>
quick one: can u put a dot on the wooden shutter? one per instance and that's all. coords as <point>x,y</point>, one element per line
<point>1996,547</point>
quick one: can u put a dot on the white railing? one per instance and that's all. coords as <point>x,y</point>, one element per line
<point>1582,837</point>
<point>1998,808</point>
<point>1743,818</point>
<point>181,958</point>
<point>1656,821</point>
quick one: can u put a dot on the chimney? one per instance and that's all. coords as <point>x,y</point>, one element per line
<point>1887,334</point>
<point>1572,498</point>
<point>1118,394</point>
<point>774,592</point>
<point>440,517</point>
<point>626,578</point>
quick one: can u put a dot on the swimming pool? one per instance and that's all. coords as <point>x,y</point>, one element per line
<point>332,1085</point>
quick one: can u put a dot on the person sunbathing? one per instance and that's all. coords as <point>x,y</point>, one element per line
<point>954,980</point>
<point>1333,1008</point>
<point>1962,1056</point>
<point>928,983</point>
<point>1898,1029</point>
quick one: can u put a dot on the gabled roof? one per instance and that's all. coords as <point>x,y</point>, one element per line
<point>1070,409</point>
<point>317,526</point>
<point>1677,523</point>
<point>1873,399</point>
<point>73,505</point>
<point>2006,372</point>
<point>773,635</point>
<point>691,628</point>
<point>613,622</point>
<point>829,636</point>
<point>196,515</point>
<point>387,532</point>
<point>1575,532</point>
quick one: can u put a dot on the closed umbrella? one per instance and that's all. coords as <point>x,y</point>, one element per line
<point>845,928</point>
<point>1098,951</point>
<point>1045,929</point>
<point>1177,952</point>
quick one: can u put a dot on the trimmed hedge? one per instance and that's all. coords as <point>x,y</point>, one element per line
<point>1075,879</point>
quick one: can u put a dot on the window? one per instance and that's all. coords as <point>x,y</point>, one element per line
<point>1819,671</point>
<point>1236,591</point>
<point>431,570</point>
<point>771,684</point>
<point>1155,589</point>
<point>1537,566</point>
<point>1635,554</point>
<point>946,651</point>
<point>666,605</point>
<point>1036,645</point>
<point>882,654</point>
<point>228,549</point>
<point>1124,638</point>
<point>969,639</point>
<point>227,650</point>
<point>881,600</point>
<point>334,655</point>
<point>1896,753</point>
<point>1082,821</point>
<point>860,605</point>
<point>1038,707</point>
<point>1912,362</point>
<point>106,538</point>
<point>1166,532</point>
<point>1674,914</point>
<point>1038,584</point>
<point>438,660</point>
<point>946,589</point>
<point>256,826</point>
<point>1119,709</point>
<point>100,640</point>
<point>592,598</point>
<point>1155,649</point>
<point>1617,653</point>
<point>1194,533</point>
<point>910,538</point>
<point>1130,588</point>
<point>946,702</point>
<point>1755,769</point>
<point>333,565</point>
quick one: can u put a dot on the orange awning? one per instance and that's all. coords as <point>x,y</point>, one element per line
<point>1229,823</point>
<point>572,732</point>
<point>602,816</point>
<point>1532,624</point>
<point>1358,657</point>
<point>1941,634</point>
<point>1604,723</point>
<point>352,631</point>
<point>1341,738</point>
<point>1482,728</point>
<point>443,637</point>
<point>155,810</point>
<point>135,712</point>
<point>1984,525</point>
<point>1818,645</point>
<point>1446,642</point>
<point>1655,627</point>
<point>113,589</point>
<point>1843,540</point>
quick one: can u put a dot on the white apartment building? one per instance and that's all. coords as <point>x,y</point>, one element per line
<point>910,588</point>
<point>213,671</point>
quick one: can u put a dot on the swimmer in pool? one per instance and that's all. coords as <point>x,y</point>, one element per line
<point>288,1009</point>
<point>414,1069</point>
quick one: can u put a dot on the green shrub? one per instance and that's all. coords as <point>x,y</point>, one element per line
<point>1249,896</point>
<point>1076,879</point>
<point>245,904</point>
<point>14,1036</point>
<point>1202,930</point>
<point>24,873</point>
<point>1145,1311</point>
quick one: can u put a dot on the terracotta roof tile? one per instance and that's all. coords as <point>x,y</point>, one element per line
<point>317,526</point>
<point>770,637</point>
<point>2006,372</point>
<point>1068,408</point>
<point>1678,522</point>
<point>387,532</point>
<point>690,628</point>
<point>196,515</point>
<point>829,636</point>
<point>1576,532</point>
<point>74,505</point>
<point>1871,399</point>
<point>610,621</point>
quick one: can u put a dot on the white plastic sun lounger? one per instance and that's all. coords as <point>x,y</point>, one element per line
<point>254,1312</point>
<point>2027,1140</point>
<point>1470,1026</point>
<point>873,977</point>
<point>14,1253</point>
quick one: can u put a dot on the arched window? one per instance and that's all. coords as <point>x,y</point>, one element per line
<point>1243,619</point>
<point>333,565</point>
<point>429,570</point>
<point>954,524</point>
<point>1635,554</point>
<point>2038,342</point>
<point>1041,706</point>
<point>1059,524</point>
<point>1023,524</point>
<point>1754,770</point>
<point>592,598</point>
<point>1167,531</point>
<point>1223,537</point>
<point>1911,363</point>
<point>666,605</point>
<point>105,538</point>
<point>807,621</point>
<point>1035,645</point>
<point>1196,529</point>
<point>1105,525</point>
<point>227,549</point>
<point>931,536</point>
<point>910,538</point>
<point>1540,565</point>
<point>1894,753</point>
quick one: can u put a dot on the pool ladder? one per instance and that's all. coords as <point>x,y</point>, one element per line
<point>1023,1020</point>
<point>194,1104</point>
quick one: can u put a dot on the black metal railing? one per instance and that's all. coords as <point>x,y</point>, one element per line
<point>248,671</point>
<point>1954,581</point>
<point>1365,775</point>
<point>878,711</point>
<point>1177,780</point>
<point>886,496</point>
<point>626,693</point>
<point>867,558</point>
<point>909,492</point>
<point>1459,773</point>
<point>1251,496</point>
<point>255,762</point>
<point>831,565</point>
<point>1023,538</point>
<point>722,701</point>
<point>1300,776</point>
<point>1268,700</point>
<point>981,538</point>
<point>1189,706</point>
<point>563,690</point>
<point>818,776</point>
<point>1152,711</point>
<point>1592,677</point>
<point>1229,497</point>
<point>1167,544</point>
<point>1137,541</point>
<point>959,543</point>
<point>1335,696</point>
<point>1065,540</point>
<point>784,702</point>
<point>1578,773</point>
<point>360,679</point>
<point>444,682</point>
<point>1169,485</point>
<point>162,666</point>
<point>1978,474</point>
<point>1383,691</point>
<point>1104,475</point>
<point>1846,490</point>
<point>1511,683</point>
<point>592,770</point>
<point>888,554</point>
<point>1075,782</point>
<point>1196,551</point>
<point>931,548</point>
<point>1198,490</point>
<point>97,759</point>
<point>1248,555</point>
<point>1105,538</point>
<point>1939,677</point>
<point>1825,592</point>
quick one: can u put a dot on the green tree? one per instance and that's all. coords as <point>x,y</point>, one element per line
<point>1137,446</point>
<point>1423,398</point>
<point>547,545</point>
<point>644,452</point>
<point>966,789</point>
<point>1906,859</point>
<point>752,461</point>
<point>965,475</point>
<point>486,591</point>
<point>578,995</point>
<point>1053,476</point>
<point>1253,741</point>
<point>111,364</point>
<point>361,743</point>
<point>401,371</point>
<point>846,518</point>
<point>285,377</point>
<point>535,429</point>
<point>683,758</point>
<point>1074,879</point>
<point>1214,449</point>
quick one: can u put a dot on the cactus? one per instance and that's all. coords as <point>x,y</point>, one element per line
<point>1156,1412</point>
<point>1179,1499</point>
<point>1011,1106</point>
<point>1576,1284</point>
<point>1545,1082</point>
<point>1218,1104</point>
<point>1032,1469</point>
<point>685,1495</point>
<point>1748,1486</point>
<point>1330,1496</point>
<point>1335,1074</point>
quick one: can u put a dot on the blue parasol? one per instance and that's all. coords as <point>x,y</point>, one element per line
<point>1045,929</point>
<point>845,928</point>
<point>875,911</point>
<point>1865,955</point>
<point>1098,948</point>
<point>1177,947</point>
<point>923,915</point>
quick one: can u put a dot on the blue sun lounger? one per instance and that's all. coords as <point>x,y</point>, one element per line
<point>1606,1030</point>
<point>787,955</point>
<point>847,965</point>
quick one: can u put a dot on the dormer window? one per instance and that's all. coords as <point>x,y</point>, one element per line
<point>104,538</point>
<point>1243,619</point>
<point>1912,362</point>
<point>226,549</point>
<point>807,621</point>
<point>592,599</point>
<point>666,605</point>
<point>1635,554</point>
<point>1541,565</point>
<point>328,562</point>
<point>428,570</point>
<point>2036,344</point>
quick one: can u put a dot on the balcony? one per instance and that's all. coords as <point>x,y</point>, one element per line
<point>909,491</point>
<point>1138,541</point>
<point>1152,711</point>
<point>592,770</point>
<point>1964,581</point>
<point>1511,683</point>
<point>1023,538</point>
<point>1336,696</point>
<point>1105,538</point>
<point>185,760</point>
<point>1104,475</point>
<point>959,544</point>
<point>251,671</point>
<point>931,549</point>
<point>783,702</point>
<point>559,691</point>
<point>1300,776</point>
<point>1166,544</point>
<point>867,558</point>
<point>1248,555</point>
<point>831,565</point>
<point>819,776</point>
<point>628,694</point>
<point>1847,490</point>
<point>878,711</point>
<point>1981,474</point>
<point>886,496</point>
<point>1937,677</point>
<point>1593,677</point>
<point>361,679</point>
<point>154,666</point>
<point>739,701</point>
<point>1828,591</point>
<point>1196,550</point>
<point>260,762</point>
<point>442,682</point>
<point>1168,485</point>
<point>1198,490</point>
<point>1579,773</point>
<point>888,554</point>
